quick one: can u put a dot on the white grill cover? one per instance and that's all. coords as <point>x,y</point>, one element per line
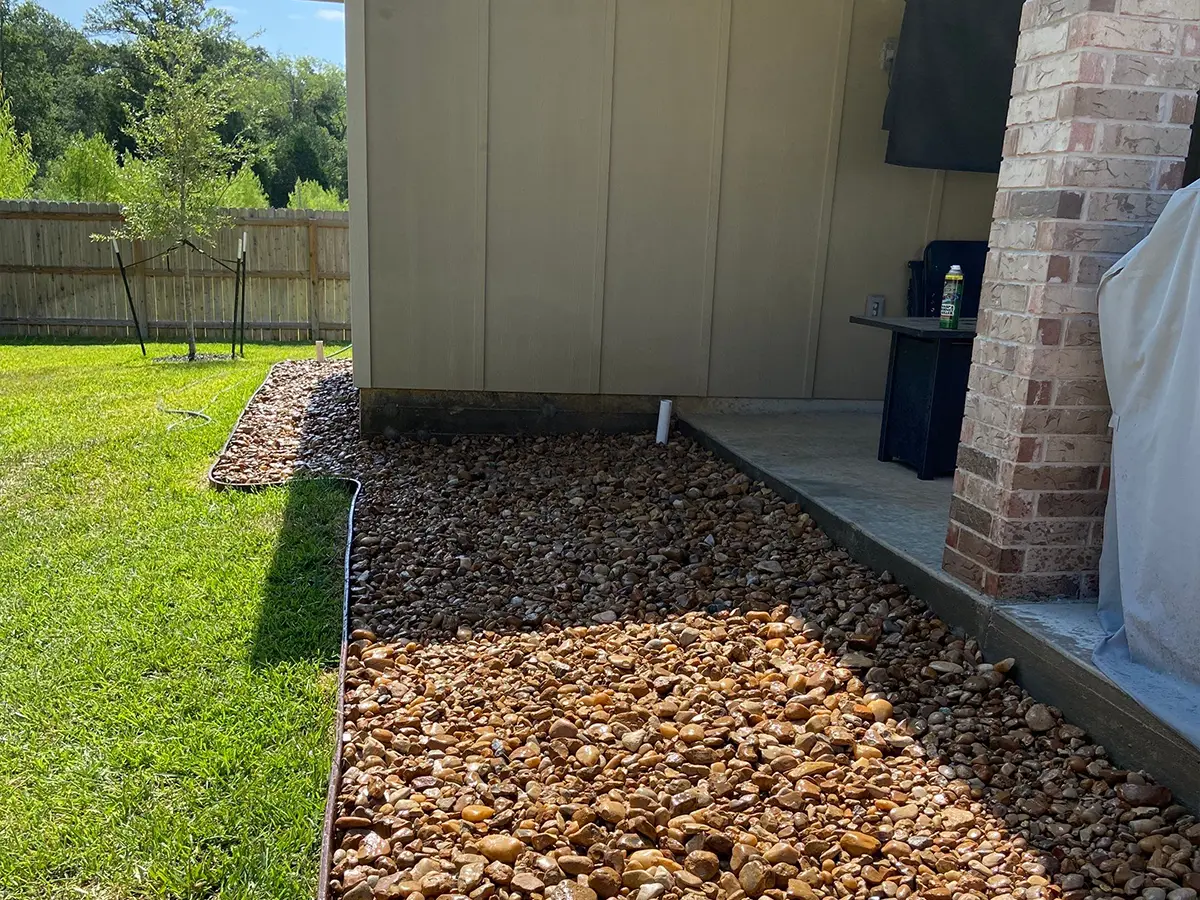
<point>1150,567</point>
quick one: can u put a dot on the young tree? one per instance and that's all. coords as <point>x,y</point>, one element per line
<point>312,195</point>
<point>87,171</point>
<point>121,26</point>
<point>175,190</point>
<point>245,191</point>
<point>17,167</point>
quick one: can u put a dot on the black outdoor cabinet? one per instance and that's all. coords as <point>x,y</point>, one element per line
<point>926,392</point>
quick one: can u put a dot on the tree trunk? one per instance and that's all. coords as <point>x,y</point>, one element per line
<point>189,307</point>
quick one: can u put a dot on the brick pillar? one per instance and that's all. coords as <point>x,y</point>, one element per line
<point>1104,95</point>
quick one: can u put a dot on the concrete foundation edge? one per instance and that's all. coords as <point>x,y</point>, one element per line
<point>1134,737</point>
<point>391,413</point>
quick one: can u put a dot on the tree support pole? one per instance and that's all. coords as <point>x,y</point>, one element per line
<point>242,266</point>
<point>129,296</point>
<point>237,285</point>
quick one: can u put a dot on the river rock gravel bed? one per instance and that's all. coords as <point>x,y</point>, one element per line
<point>589,667</point>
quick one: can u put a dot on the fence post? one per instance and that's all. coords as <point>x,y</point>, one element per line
<point>314,280</point>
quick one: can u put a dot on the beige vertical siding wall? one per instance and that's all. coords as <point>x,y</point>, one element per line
<point>638,196</point>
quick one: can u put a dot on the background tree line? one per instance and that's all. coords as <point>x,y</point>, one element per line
<point>72,94</point>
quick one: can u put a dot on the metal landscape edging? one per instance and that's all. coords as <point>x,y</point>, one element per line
<point>335,768</point>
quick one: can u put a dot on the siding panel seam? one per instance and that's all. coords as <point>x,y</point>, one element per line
<point>827,196</point>
<point>720,99</point>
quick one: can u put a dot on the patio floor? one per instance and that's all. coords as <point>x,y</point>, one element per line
<point>825,458</point>
<point>830,455</point>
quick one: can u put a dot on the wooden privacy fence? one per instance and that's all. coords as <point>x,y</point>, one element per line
<point>56,280</point>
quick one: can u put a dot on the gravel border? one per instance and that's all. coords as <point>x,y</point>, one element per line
<point>1066,822</point>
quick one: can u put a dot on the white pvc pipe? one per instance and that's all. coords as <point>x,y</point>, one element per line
<point>664,421</point>
<point>320,351</point>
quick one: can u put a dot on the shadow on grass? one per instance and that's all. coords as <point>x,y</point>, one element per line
<point>300,619</point>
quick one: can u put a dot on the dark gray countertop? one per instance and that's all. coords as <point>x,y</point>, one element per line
<point>930,329</point>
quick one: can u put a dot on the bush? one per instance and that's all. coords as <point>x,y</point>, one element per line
<point>312,195</point>
<point>86,172</point>
<point>245,191</point>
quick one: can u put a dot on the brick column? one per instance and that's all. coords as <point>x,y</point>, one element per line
<point>1104,95</point>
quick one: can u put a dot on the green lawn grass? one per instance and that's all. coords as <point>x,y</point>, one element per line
<point>167,652</point>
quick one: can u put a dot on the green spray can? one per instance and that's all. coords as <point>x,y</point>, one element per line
<point>952,293</point>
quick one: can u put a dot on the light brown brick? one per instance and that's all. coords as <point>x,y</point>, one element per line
<point>1038,268</point>
<point>1145,140</point>
<point>1167,9</point>
<point>1010,326</point>
<point>1062,559</point>
<point>1115,103</point>
<point>1062,420</point>
<point>1190,44</point>
<point>1001,295</point>
<point>1081,392</point>
<point>1051,477</point>
<point>1081,331</point>
<point>1089,269</point>
<point>1108,172</point>
<point>998,355</point>
<point>1125,206</point>
<point>1087,237</point>
<point>1059,362</point>
<point>977,463</point>
<point>1051,586</point>
<point>979,491</point>
<point>1183,109</point>
<point>1024,172</point>
<point>1018,504</point>
<point>1050,137</point>
<point>1043,12</point>
<point>1038,532</point>
<point>1062,299</point>
<point>1045,204</point>
<point>1137,69</point>
<point>1044,41</point>
<point>1078,67</point>
<point>1029,449</point>
<point>1013,234</point>
<point>1079,448</point>
<point>974,517</point>
<point>1114,32</point>
<point>1071,504</point>
<point>989,411</point>
<point>1035,107</point>
<point>1170,175</point>
<point>982,551</point>
<point>965,570</point>
<point>1049,332</point>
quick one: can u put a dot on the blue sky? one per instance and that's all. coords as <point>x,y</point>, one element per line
<point>294,27</point>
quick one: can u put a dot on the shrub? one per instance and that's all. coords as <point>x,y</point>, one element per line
<point>312,195</point>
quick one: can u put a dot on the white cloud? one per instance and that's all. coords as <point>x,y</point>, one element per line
<point>332,15</point>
